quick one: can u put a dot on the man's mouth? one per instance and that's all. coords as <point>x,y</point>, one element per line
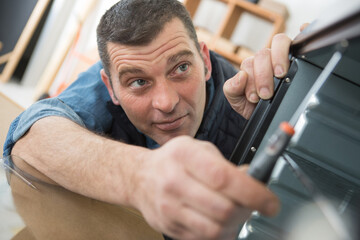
<point>170,125</point>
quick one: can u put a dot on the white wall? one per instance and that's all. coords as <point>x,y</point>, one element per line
<point>300,11</point>
<point>252,31</point>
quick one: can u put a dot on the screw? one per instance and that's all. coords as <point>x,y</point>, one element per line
<point>344,43</point>
<point>287,80</point>
<point>253,149</point>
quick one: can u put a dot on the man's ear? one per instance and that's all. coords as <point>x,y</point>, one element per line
<point>206,57</point>
<point>105,78</point>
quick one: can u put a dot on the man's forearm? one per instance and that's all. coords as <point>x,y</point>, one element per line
<point>80,160</point>
<point>182,187</point>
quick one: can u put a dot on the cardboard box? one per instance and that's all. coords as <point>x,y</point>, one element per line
<point>53,212</point>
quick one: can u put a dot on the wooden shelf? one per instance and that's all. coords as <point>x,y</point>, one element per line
<point>13,57</point>
<point>220,40</point>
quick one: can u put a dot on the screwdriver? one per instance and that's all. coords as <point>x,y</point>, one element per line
<point>264,162</point>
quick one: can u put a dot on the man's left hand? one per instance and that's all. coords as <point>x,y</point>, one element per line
<point>255,78</point>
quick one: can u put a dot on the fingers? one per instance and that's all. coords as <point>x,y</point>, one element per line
<point>196,211</point>
<point>268,204</point>
<point>263,74</point>
<point>248,66</point>
<point>198,194</point>
<point>204,213</point>
<point>185,223</point>
<point>255,79</point>
<point>240,90</point>
<point>242,84</point>
<point>233,183</point>
<point>271,62</point>
<point>250,193</point>
<point>280,54</point>
<point>202,198</point>
<point>234,88</point>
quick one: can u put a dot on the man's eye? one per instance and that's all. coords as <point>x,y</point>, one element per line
<point>182,68</point>
<point>138,83</point>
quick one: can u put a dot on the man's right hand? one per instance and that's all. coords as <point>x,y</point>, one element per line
<point>185,189</point>
<point>188,190</point>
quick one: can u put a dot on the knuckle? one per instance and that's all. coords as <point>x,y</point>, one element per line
<point>227,86</point>
<point>262,74</point>
<point>263,52</point>
<point>227,212</point>
<point>219,179</point>
<point>200,226</point>
<point>165,208</point>
<point>280,36</point>
<point>208,147</point>
<point>170,184</point>
<point>247,63</point>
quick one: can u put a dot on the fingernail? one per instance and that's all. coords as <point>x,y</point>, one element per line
<point>265,93</point>
<point>254,98</point>
<point>279,71</point>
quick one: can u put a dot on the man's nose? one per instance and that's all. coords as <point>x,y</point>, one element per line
<point>165,97</point>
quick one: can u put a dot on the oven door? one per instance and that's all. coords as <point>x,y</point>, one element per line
<point>326,145</point>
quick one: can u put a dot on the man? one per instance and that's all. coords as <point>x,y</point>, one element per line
<point>165,92</point>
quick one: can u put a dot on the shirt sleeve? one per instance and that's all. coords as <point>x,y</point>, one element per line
<point>83,102</point>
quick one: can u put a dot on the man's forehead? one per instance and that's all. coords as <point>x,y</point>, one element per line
<point>170,52</point>
<point>154,48</point>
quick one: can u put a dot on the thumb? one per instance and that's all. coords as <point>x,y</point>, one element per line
<point>234,90</point>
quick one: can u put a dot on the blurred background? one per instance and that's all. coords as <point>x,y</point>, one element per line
<point>63,42</point>
<point>45,44</point>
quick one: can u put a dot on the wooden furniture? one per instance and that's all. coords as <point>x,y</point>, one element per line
<point>53,212</point>
<point>220,41</point>
<point>65,48</point>
<point>12,58</point>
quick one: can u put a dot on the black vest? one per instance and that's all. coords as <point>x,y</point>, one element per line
<point>221,125</point>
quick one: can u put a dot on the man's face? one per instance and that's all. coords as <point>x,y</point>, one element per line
<point>161,86</point>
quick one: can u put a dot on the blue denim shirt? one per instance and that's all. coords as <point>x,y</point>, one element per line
<point>83,102</point>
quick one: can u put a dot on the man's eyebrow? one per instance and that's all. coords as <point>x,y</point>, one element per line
<point>172,59</point>
<point>130,70</point>
<point>175,58</point>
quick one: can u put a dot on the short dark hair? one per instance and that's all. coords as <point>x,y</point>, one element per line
<point>138,22</point>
